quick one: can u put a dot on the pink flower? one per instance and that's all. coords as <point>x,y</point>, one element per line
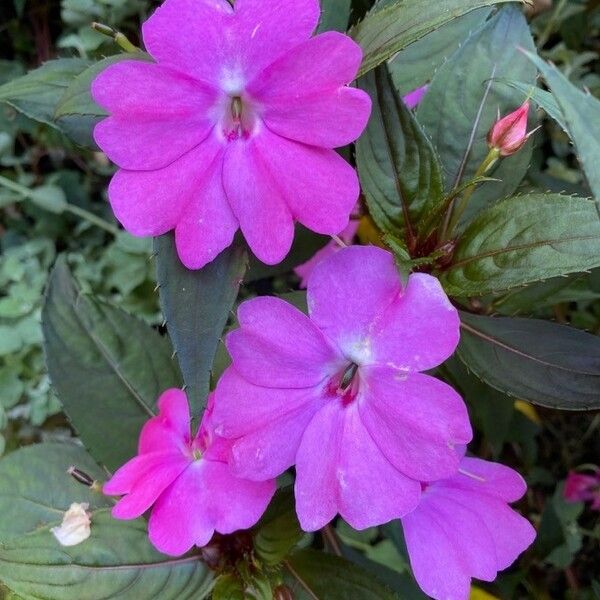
<point>463,528</point>
<point>186,481</point>
<point>413,98</point>
<point>305,269</point>
<point>233,126</point>
<point>583,488</point>
<point>339,394</point>
<point>509,134</point>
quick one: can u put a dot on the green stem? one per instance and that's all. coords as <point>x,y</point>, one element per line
<point>551,24</point>
<point>119,38</point>
<point>72,208</point>
<point>459,208</point>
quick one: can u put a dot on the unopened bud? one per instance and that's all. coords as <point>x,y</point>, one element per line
<point>509,133</point>
<point>80,476</point>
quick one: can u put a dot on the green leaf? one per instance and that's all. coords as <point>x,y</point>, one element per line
<point>315,575</point>
<point>108,368</point>
<point>397,165</point>
<point>279,530</point>
<point>385,31</point>
<point>117,561</point>
<point>49,197</point>
<point>35,488</point>
<point>539,361</point>
<point>196,306</point>
<point>416,64</point>
<point>335,15</point>
<point>524,239</point>
<point>581,113</point>
<point>37,93</point>
<point>463,100</point>
<point>77,99</point>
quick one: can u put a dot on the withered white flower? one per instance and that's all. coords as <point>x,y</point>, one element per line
<point>75,526</point>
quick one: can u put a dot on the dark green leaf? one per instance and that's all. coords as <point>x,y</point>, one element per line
<point>525,239</point>
<point>397,165</point>
<point>117,561</point>
<point>464,98</point>
<point>335,15</point>
<point>416,64</point>
<point>37,93</point>
<point>279,530</point>
<point>49,197</point>
<point>315,575</point>
<point>35,487</point>
<point>77,99</point>
<point>385,31</point>
<point>108,368</point>
<point>196,306</point>
<point>581,113</point>
<point>539,361</point>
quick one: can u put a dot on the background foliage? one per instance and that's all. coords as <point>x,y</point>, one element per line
<point>105,323</point>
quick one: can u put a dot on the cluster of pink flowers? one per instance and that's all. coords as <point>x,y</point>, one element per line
<point>233,126</point>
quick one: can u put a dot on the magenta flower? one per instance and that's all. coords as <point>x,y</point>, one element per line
<point>186,481</point>
<point>233,126</point>
<point>339,393</point>
<point>305,269</point>
<point>583,488</point>
<point>464,528</point>
<point>413,98</point>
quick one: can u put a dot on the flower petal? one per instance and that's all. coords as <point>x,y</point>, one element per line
<point>205,499</point>
<point>316,487</point>
<point>257,202</point>
<point>170,429</point>
<point>278,346</point>
<point>143,479</point>
<point>318,186</point>
<point>207,226</point>
<point>420,330</point>
<point>152,202</point>
<point>267,30</point>
<point>189,35</point>
<point>371,490</point>
<point>436,564</point>
<point>415,420</point>
<point>348,292</point>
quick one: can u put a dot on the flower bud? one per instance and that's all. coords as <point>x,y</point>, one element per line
<point>509,133</point>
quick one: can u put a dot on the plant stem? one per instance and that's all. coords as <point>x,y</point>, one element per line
<point>119,38</point>
<point>459,208</point>
<point>86,215</point>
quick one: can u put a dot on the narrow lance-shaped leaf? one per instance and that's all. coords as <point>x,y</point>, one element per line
<point>539,361</point>
<point>116,561</point>
<point>385,31</point>
<point>581,114</point>
<point>397,165</point>
<point>525,239</point>
<point>107,367</point>
<point>196,306</point>
<point>463,101</point>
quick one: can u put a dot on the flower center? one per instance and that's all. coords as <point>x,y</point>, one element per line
<point>196,454</point>
<point>345,384</point>
<point>239,120</point>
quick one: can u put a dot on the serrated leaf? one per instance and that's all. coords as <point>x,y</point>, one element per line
<point>524,239</point>
<point>416,64</point>
<point>397,165</point>
<point>539,361</point>
<point>385,31</point>
<point>279,530</point>
<point>107,367</point>
<point>196,306</point>
<point>581,113</point>
<point>116,561</point>
<point>315,575</point>
<point>77,99</point>
<point>463,100</point>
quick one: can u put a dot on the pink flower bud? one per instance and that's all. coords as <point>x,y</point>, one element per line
<point>510,133</point>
